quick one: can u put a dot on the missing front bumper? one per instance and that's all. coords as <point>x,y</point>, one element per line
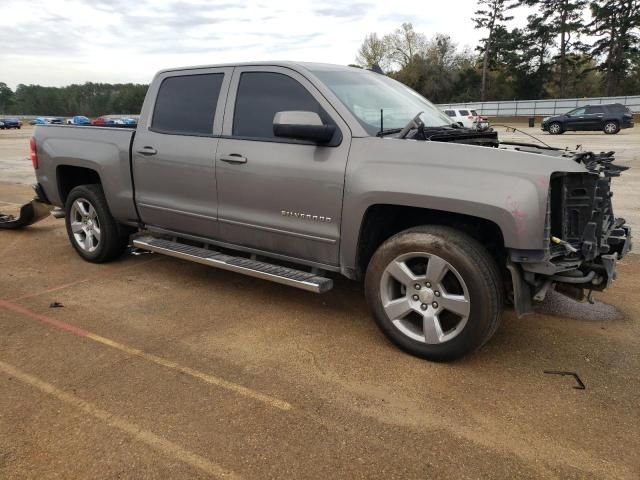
<point>30,213</point>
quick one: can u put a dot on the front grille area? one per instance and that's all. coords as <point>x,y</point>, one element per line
<point>581,212</point>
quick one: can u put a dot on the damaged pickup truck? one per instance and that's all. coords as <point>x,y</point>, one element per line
<point>295,172</point>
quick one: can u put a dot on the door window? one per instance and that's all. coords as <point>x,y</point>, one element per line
<point>451,113</point>
<point>187,104</point>
<point>463,113</point>
<point>261,95</point>
<point>577,112</point>
<point>594,110</point>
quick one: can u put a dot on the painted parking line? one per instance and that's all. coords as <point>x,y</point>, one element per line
<point>145,436</point>
<point>204,377</point>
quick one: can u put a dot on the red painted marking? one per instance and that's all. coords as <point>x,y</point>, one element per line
<point>43,318</point>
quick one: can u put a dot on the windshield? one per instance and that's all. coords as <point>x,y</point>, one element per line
<point>365,94</point>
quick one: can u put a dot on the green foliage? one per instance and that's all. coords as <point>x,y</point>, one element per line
<point>90,99</point>
<point>616,24</point>
<point>545,59</point>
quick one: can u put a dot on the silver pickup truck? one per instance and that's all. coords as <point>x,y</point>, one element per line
<point>294,172</point>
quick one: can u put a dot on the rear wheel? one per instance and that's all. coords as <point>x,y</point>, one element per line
<point>555,128</point>
<point>93,232</point>
<point>435,292</point>
<point>611,128</point>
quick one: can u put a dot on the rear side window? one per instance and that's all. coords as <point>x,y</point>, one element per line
<point>474,113</point>
<point>618,108</point>
<point>187,104</point>
<point>261,95</point>
<point>463,113</point>
<point>451,113</point>
<point>594,109</point>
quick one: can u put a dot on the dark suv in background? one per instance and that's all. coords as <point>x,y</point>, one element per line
<point>11,123</point>
<point>608,118</point>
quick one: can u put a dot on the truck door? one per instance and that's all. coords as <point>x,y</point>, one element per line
<point>173,153</point>
<point>279,195</point>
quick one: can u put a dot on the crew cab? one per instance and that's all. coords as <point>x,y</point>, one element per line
<point>609,118</point>
<point>297,172</point>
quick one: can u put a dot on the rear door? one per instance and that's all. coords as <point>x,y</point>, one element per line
<point>174,151</point>
<point>594,117</point>
<point>278,195</point>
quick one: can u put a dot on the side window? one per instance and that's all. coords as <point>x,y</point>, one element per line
<point>451,113</point>
<point>577,112</point>
<point>594,109</point>
<point>187,104</point>
<point>261,95</point>
<point>463,113</point>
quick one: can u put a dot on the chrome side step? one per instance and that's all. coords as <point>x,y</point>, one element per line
<point>253,268</point>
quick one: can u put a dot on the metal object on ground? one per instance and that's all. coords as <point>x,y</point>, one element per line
<point>30,213</point>
<point>580,386</point>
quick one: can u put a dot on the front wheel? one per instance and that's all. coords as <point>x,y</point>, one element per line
<point>555,128</point>
<point>435,292</point>
<point>93,232</point>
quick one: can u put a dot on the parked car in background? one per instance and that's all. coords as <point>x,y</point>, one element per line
<point>12,122</point>
<point>78,120</point>
<point>609,118</point>
<point>1,125</point>
<point>102,121</point>
<point>468,118</point>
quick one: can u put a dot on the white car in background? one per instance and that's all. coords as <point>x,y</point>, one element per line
<point>468,118</point>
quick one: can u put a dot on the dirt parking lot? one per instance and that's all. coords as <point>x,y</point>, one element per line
<point>151,367</point>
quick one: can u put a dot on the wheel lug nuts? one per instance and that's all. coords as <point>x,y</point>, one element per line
<point>428,285</point>
<point>434,304</point>
<point>437,294</point>
<point>424,306</point>
<point>415,297</point>
<point>417,286</point>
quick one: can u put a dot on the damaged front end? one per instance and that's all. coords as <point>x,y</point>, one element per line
<point>583,238</point>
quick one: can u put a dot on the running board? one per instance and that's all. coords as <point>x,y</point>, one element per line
<point>253,268</point>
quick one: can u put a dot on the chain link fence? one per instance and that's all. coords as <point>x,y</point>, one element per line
<point>533,108</point>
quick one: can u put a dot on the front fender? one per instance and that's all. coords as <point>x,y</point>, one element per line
<point>506,187</point>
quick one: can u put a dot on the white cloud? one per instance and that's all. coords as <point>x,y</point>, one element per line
<point>72,41</point>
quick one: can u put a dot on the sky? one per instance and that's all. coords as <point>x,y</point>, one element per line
<point>59,42</point>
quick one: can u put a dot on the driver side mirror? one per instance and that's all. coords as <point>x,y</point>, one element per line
<point>302,126</point>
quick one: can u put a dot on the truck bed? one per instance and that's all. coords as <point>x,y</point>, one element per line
<point>107,150</point>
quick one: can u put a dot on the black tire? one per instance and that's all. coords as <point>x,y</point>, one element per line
<point>611,127</point>
<point>114,238</point>
<point>475,266</point>
<point>555,128</point>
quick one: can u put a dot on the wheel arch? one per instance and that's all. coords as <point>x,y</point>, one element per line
<point>70,176</point>
<point>381,221</point>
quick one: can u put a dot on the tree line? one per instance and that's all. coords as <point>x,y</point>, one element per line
<point>569,48</point>
<point>89,99</point>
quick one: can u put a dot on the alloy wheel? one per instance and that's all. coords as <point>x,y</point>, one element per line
<point>425,297</point>
<point>85,225</point>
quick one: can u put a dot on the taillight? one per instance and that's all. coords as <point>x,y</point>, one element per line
<point>33,151</point>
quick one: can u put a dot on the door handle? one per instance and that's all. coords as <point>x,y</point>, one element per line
<point>147,151</point>
<point>234,158</point>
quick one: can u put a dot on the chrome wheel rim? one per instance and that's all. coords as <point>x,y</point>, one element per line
<point>610,127</point>
<point>425,297</point>
<point>85,225</point>
<point>554,128</point>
